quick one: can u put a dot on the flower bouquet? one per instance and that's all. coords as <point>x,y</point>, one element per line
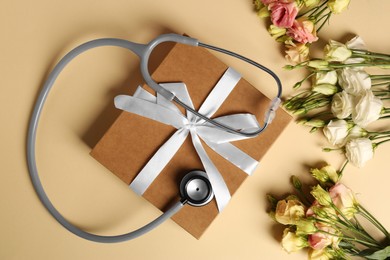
<point>328,221</point>
<point>297,22</point>
<point>344,100</point>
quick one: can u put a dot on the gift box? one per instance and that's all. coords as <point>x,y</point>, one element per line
<point>133,140</point>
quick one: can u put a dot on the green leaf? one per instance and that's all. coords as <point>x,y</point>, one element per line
<point>380,254</point>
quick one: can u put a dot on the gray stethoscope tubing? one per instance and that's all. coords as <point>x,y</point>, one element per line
<point>143,51</point>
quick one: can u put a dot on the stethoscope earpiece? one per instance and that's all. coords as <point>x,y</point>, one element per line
<point>195,189</point>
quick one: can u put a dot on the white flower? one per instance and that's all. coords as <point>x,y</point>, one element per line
<point>336,131</point>
<point>359,151</point>
<point>341,105</point>
<point>325,77</point>
<point>354,81</point>
<point>367,109</point>
<point>356,43</point>
<point>336,51</point>
<point>291,242</point>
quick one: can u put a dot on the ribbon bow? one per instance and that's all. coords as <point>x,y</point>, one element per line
<point>158,108</point>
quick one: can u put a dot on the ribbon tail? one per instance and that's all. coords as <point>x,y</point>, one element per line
<point>234,155</point>
<point>157,163</point>
<point>221,191</point>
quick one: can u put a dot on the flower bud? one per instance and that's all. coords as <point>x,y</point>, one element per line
<point>325,77</point>
<point>305,227</point>
<point>321,195</point>
<point>336,51</point>
<point>325,174</point>
<point>337,6</point>
<point>276,31</point>
<point>263,12</point>
<point>318,64</point>
<point>296,182</point>
<point>315,123</point>
<point>310,3</point>
<point>326,89</point>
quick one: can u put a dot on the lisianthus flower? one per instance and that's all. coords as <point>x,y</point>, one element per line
<point>337,6</point>
<point>289,210</point>
<point>344,199</point>
<point>320,240</point>
<point>302,31</point>
<point>297,53</point>
<point>354,81</point>
<point>283,14</point>
<point>342,105</point>
<point>322,254</point>
<point>367,108</point>
<point>359,151</point>
<point>336,131</point>
<point>336,51</point>
<point>291,242</point>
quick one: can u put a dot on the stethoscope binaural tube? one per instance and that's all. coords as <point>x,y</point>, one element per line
<point>143,51</point>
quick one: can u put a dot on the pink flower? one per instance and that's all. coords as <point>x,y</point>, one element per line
<point>344,199</point>
<point>320,240</point>
<point>283,13</point>
<point>303,31</point>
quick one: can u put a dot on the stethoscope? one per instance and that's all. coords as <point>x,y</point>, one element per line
<point>195,188</point>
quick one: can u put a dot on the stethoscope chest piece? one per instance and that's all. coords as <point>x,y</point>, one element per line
<point>195,188</point>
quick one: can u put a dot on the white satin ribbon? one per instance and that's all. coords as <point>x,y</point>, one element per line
<point>159,109</point>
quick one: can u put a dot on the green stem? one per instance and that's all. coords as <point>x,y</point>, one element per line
<point>354,239</point>
<point>370,56</point>
<point>376,54</point>
<point>299,83</point>
<point>340,224</point>
<point>384,76</point>
<point>327,19</point>
<point>381,142</point>
<point>373,220</point>
<point>337,66</point>
<point>343,168</point>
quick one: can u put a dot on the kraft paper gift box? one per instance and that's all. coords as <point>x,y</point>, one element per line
<point>132,140</point>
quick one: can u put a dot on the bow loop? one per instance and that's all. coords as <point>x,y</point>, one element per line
<point>159,109</point>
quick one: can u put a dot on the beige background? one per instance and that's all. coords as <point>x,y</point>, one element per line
<point>35,34</point>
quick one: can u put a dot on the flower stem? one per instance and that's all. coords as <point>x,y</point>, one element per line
<point>343,168</point>
<point>373,220</point>
<point>324,22</point>
<point>381,142</point>
<point>371,54</point>
<point>354,239</point>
